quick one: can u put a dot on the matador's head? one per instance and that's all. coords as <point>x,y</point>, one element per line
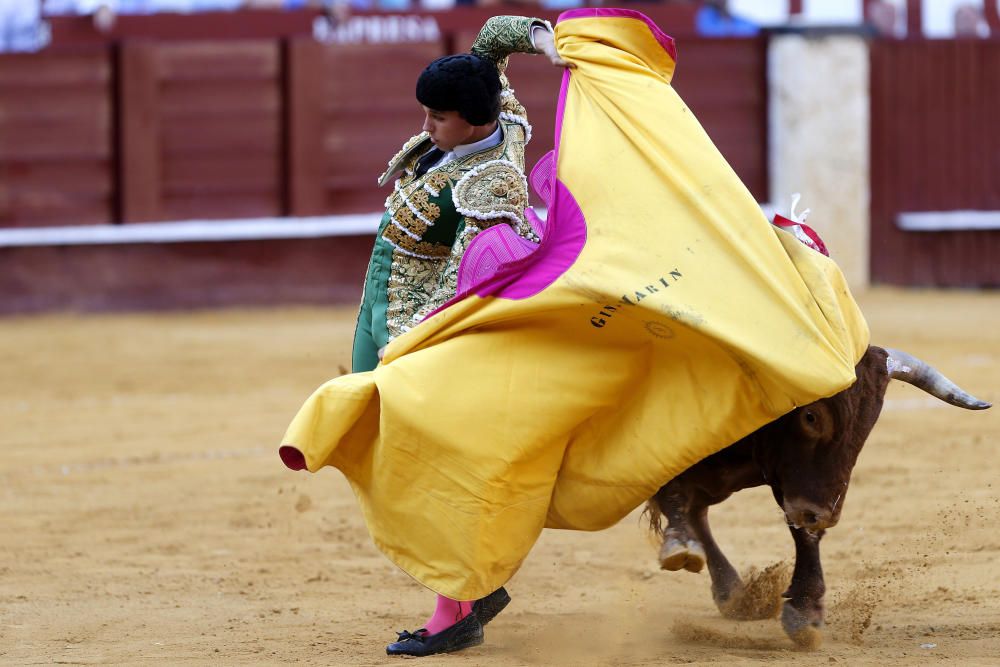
<point>466,84</point>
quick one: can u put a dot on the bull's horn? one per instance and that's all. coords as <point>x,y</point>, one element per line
<point>909,369</point>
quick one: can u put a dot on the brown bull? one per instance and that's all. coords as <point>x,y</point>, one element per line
<point>806,457</point>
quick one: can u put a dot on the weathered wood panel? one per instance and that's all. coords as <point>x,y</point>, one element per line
<point>206,98</point>
<point>139,133</point>
<point>206,174</point>
<point>202,131</point>
<point>370,110</point>
<point>246,77</point>
<point>305,154</point>
<point>934,147</point>
<point>56,161</point>
<point>219,205</point>
<point>168,26</point>
<point>245,133</point>
<point>152,276</point>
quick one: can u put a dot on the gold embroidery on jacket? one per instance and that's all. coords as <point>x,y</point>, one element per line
<point>410,282</point>
<point>412,212</point>
<point>435,182</point>
<point>408,245</point>
<point>491,191</point>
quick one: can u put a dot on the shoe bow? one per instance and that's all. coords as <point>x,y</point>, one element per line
<point>419,635</point>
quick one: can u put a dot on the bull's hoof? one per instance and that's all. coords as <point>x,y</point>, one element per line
<point>677,555</point>
<point>803,628</point>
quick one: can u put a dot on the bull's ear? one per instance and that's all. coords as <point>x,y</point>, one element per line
<point>815,421</point>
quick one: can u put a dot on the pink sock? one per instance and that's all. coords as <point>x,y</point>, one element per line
<point>448,613</point>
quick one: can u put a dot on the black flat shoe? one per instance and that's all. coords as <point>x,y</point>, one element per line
<point>491,605</point>
<point>467,632</point>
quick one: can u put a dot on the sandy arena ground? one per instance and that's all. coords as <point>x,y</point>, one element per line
<point>146,516</point>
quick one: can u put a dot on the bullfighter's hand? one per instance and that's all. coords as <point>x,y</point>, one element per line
<point>544,42</point>
<point>381,352</point>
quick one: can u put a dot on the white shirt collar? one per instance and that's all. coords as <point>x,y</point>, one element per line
<point>482,144</point>
<point>459,152</point>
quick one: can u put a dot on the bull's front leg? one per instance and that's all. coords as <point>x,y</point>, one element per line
<point>802,613</point>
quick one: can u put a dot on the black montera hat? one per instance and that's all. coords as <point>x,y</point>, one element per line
<point>464,83</point>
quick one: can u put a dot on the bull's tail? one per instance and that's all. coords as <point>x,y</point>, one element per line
<point>909,369</point>
<point>653,518</point>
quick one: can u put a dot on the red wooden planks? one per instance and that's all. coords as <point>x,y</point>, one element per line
<point>934,147</point>
<point>56,138</point>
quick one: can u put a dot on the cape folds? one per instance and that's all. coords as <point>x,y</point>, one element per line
<point>661,318</point>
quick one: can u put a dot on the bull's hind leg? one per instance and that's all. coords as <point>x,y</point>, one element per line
<point>802,613</point>
<point>680,551</point>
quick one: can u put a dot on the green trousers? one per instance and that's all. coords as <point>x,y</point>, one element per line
<point>372,333</point>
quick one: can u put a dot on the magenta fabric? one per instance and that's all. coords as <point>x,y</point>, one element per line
<point>560,111</point>
<point>817,243</point>
<point>491,251</point>
<point>565,236</point>
<point>292,457</point>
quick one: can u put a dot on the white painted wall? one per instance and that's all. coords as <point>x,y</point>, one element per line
<point>819,128</point>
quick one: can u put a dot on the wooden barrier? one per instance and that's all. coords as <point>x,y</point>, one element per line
<point>245,115</point>
<point>150,125</point>
<point>934,147</point>
<point>56,140</point>
<point>164,276</point>
<point>202,130</point>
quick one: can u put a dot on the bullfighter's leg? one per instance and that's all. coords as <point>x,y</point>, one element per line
<point>802,614</point>
<point>726,583</point>
<point>680,550</point>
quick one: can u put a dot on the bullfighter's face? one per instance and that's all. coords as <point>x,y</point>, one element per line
<point>448,129</point>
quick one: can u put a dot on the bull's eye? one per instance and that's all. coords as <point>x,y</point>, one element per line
<point>815,423</point>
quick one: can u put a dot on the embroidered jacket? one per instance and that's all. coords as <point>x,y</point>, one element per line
<point>430,220</point>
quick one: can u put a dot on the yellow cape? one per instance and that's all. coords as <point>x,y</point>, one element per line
<point>685,322</point>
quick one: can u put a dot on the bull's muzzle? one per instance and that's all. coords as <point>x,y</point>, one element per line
<point>809,516</point>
